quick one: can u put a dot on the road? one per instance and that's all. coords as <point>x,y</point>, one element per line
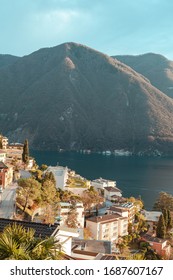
<point>7,202</point>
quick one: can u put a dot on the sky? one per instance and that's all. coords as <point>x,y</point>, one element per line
<point>114,27</point>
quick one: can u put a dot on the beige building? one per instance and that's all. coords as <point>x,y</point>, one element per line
<point>124,209</point>
<point>107,227</point>
<point>4,142</point>
<point>2,156</point>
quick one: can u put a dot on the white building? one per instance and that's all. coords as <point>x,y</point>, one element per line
<point>64,235</point>
<point>107,227</point>
<point>111,192</point>
<point>151,217</point>
<point>64,208</point>
<point>101,183</point>
<point>61,175</point>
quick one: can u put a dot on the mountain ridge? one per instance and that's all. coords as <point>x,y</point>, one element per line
<point>74,97</point>
<point>155,67</point>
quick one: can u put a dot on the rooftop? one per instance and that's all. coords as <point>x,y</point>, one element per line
<point>124,205</point>
<point>150,238</point>
<point>105,218</point>
<point>101,180</point>
<point>106,257</point>
<point>94,246</point>
<point>112,189</point>
<point>41,230</point>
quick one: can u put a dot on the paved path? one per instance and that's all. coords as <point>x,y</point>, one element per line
<point>7,202</point>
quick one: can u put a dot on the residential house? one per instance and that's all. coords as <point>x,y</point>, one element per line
<point>2,156</point>
<point>4,141</point>
<point>89,249</point>
<point>64,235</point>
<point>124,209</point>
<point>64,208</point>
<point>112,193</point>
<point>15,152</point>
<point>3,175</point>
<point>152,218</point>
<point>100,184</point>
<point>107,227</point>
<point>61,175</point>
<point>161,246</point>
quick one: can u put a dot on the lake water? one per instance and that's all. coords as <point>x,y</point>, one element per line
<point>135,176</point>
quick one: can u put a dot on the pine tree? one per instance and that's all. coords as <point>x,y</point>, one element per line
<point>165,215</point>
<point>161,228</point>
<point>25,154</point>
<point>169,224</point>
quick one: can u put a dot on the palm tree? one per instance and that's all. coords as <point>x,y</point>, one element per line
<point>19,243</point>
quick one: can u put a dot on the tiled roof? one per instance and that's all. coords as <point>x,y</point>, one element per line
<point>150,238</point>
<point>41,230</point>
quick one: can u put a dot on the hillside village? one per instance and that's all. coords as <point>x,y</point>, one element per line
<point>91,220</point>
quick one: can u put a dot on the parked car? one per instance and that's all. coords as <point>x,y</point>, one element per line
<point>1,190</point>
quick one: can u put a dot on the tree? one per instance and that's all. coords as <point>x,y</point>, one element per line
<point>161,228</point>
<point>169,224</point>
<point>29,192</point>
<point>91,198</point>
<point>165,215</point>
<point>0,141</point>
<point>43,167</point>
<point>164,201</point>
<point>137,202</point>
<point>19,243</point>
<point>49,201</point>
<point>25,154</point>
<point>49,176</point>
<point>72,221</point>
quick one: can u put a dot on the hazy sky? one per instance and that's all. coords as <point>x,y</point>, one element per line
<point>110,26</point>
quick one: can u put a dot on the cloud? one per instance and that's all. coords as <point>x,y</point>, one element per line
<point>111,26</point>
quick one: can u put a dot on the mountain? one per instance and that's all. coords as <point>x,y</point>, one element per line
<point>6,59</point>
<point>157,68</point>
<point>73,97</point>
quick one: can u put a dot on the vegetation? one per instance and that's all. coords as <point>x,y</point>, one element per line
<point>72,221</point>
<point>1,141</point>
<point>28,193</point>
<point>39,193</point>
<point>91,199</point>
<point>25,154</point>
<point>18,243</point>
<point>164,224</point>
<point>137,202</point>
<point>75,182</point>
<point>164,201</point>
<point>161,227</point>
<point>148,252</point>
